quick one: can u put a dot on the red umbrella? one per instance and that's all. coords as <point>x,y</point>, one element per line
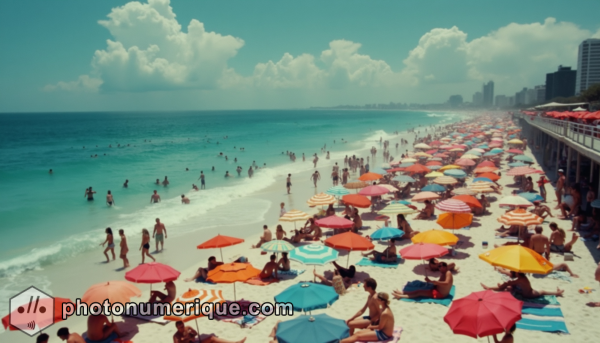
<point>431,152</point>
<point>468,199</point>
<point>520,171</point>
<point>349,241</point>
<point>514,151</point>
<point>417,168</point>
<point>423,251</point>
<point>220,241</point>
<point>335,222</point>
<point>490,175</point>
<point>56,303</point>
<point>465,162</point>
<point>393,170</point>
<point>483,313</point>
<point>486,164</point>
<point>153,272</point>
<point>356,200</point>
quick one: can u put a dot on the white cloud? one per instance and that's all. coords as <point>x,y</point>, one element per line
<point>83,83</point>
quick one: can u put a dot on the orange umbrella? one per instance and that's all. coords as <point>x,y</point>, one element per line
<point>356,200</point>
<point>349,241</point>
<point>454,220</point>
<point>355,185</point>
<point>468,199</point>
<point>204,297</point>
<point>370,177</point>
<point>417,169</point>
<point>113,291</point>
<point>438,237</point>
<point>220,242</point>
<point>491,176</point>
<point>232,273</point>
<point>425,196</point>
<point>520,217</point>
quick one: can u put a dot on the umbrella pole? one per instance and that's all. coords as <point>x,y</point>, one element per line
<point>221,250</point>
<point>197,328</point>
<point>348,260</point>
<point>314,277</point>
<point>234,295</point>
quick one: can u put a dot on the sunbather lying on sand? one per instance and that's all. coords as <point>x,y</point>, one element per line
<point>388,255</point>
<point>521,285</point>
<point>434,265</point>
<point>441,290</point>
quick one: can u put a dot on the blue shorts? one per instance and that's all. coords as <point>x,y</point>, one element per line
<point>381,336</point>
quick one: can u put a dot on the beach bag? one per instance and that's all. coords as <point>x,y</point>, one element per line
<point>338,285</point>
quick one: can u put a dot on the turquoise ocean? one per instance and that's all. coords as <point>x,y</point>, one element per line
<point>46,218</point>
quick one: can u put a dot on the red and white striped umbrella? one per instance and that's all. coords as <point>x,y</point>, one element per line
<point>453,206</point>
<point>520,171</point>
<point>464,162</point>
<point>370,191</point>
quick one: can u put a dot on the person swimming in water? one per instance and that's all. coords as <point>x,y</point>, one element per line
<point>89,193</point>
<point>109,199</point>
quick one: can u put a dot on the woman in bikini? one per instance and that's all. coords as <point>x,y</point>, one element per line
<point>284,262</point>
<point>111,244</point>
<point>146,245</point>
<point>279,233</point>
<point>124,249</point>
<point>380,332</point>
<point>405,226</point>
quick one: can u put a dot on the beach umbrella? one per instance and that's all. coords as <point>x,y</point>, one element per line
<point>523,158</point>
<point>515,141</point>
<point>530,196</point>
<point>390,188</point>
<point>408,160</point>
<point>113,291</point>
<point>486,169</point>
<point>404,178</point>
<point>514,151</point>
<point>438,237</point>
<point>434,167</point>
<point>481,187</point>
<point>520,217</point>
<point>458,173</point>
<point>378,171</point>
<point>153,272</point>
<point>454,221</point>
<point>293,216</point>
<point>277,246</point>
<point>337,191</point>
<point>517,164</point>
<point>220,241</point>
<point>334,222</point>
<point>483,313</point>
<point>521,171</point>
<point>320,328</point>
<point>433,163</point>
<point>40,319</point>
<point>420,197</point>
<point>450,166</point>
<point>453,206</point>
<point>204,298</point>
<point>497,151</point>
<point>422,146</point>
<point>433,175</point>
<point>490,153</point>
<point>232,273</point>
<point>308,296</point>
<point>395,209</point>
<point>445,180</point>
<point>422,155</point>
<point>482,179</point>
<point>313,254</point>
<point>422,251</point>
<point>486,164</point>
<point>355,185</point>
<point>464,162</point>
<point>417,169</point>
<point>370,177</point>
<point>514,200</point>
<point>320,199</point>
<point>356,200</point>
<point>394,170</point>
<point>491,176</point>
<point>349,241</point>
<point>470,156</point>
<point>404,165</point>
<point>386,233</point>
<point>433,188</point>
<point>468,199</point>
<point>518,259</point>
<point>595,203</point>
<point>373,191</point>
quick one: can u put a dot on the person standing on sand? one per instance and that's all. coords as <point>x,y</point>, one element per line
<point>345,176</point>
<point>109,199</point>
<point>155,198</point>
<point>201,178</point>
<point>160,232</point>
<point>335,177</point>
<point>315,160</point>
<point>560,184</point>
<point>111,244</point>
<point>315,177</point>
<point>370,285</point>
<point>89,193</point>
<point>282,211</point>
<point>288,183</point>
<point>145,246</point>
<point>124,248</point>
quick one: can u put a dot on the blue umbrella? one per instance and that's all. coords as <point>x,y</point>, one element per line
<point>497,150</point>
<point>523,158</point>
<point>404,178</point>
<point>517,164</point>
<point>455,173</point>
<point>405,164</point>
<point>319,328</point>
<point>337,191</point>
<point>308,296</point>
<point>433,188</point>
<point>314,254</point>
<point>489,153</point>
<point>531,196</point>
<point>378,171</point>
<point>402,202</point>
<point>386,233</point>
<point>482,179</point>
<point>434,167</point>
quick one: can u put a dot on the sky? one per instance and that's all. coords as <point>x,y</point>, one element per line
<point>116,55</point>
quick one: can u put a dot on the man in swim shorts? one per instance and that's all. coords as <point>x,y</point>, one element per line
<point>160,233</point>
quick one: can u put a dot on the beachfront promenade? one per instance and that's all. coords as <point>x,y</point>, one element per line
<point>571,146</point>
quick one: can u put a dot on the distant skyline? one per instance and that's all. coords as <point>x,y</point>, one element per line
<point>117,55</point>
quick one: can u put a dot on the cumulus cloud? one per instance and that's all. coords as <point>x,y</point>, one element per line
<point>83,83</point>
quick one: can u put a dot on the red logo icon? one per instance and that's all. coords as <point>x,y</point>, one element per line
<point>31,311</point>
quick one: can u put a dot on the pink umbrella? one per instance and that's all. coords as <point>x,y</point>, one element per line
<point>515,151</point>
<point>464,162</point>
<point>423,251</point>
<point>453,206</point>
<point>431,152</point>
<point>373,191</point>
<point>519,171</point>
<point>441,155</point>
<point>153,272</point>
<point>335,222</point>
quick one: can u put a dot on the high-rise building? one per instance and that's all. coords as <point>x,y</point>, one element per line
<point>531,96</point>
<point>511,100</point>
<point>455,100</point>
<point>488,94</point>
<point>478,99</point>
<point>588,65</point>
<point>520,97</point>
<point>561,83</point>
<point>501,101</point>
<point>541,93</point>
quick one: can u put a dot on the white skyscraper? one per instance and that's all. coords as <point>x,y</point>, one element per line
<point>588,65</point>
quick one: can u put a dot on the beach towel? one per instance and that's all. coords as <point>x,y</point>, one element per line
<point>543,300</point>
<point>292,272</point>
<point>395,337</point>
<point>542,310</point>
<point>111,339</point>
<point>200,279</point>
<point>557,275</point>
<point>545,324</point>
<point>419,285</point>
<point>246,321</point>
<point>154,319</point>
<point>367,262</point>
<point>261,282</point>
<point>244,307</point>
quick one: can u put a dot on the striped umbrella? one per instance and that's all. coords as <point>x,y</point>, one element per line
<point>337,191</point>
<point>480,187</point>
<point>277,246</point>
<point>453,206</point>
<point>321,199</point>
<point>450,166</point>
<point>355,185</point>
<point>294,216</point>
<point>482,179</point>
<point>206,298</point>
<point>404,178</point>
<point>520,171</point>
<point>520,217</point>
<point>445,180</point>
<point>314,254</point>
<point>420,197</point>
<point>514,200</point>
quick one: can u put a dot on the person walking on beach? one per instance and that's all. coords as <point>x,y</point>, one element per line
<point>89,193</point>
<point>335,177</point>
<point>160,232</point>
<point>315,177</point>
<point>155,198</point>
<point>201,178</point>
<point>124,248</point>
<point>111,244</point>
<point>250,172</point>
<point>145,246</point>
<point>288,183</point>
<point>109,199</point>
<point>315,160</point>
<point>560,184</point>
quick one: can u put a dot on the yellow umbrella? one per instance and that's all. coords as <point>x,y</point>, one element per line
<point>518,259</point>
<point>515,141</point>
<point>422,154</point>
<point>457,149</point>
<point>445,180</point>
<point>481,187</point>
<point>434,174</point>
<point>294,216</point>
<point>450,166</point>
<point>470,156</point>
<point>321,199</point>
<point>438,237</point>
